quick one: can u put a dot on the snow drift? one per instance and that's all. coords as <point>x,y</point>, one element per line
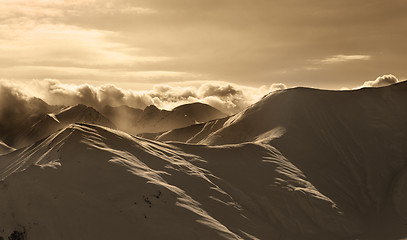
<point>4,148</point>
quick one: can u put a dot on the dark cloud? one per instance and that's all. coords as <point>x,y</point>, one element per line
<point>16,108</point>
<point>381,81</point>
<point>13,102</point>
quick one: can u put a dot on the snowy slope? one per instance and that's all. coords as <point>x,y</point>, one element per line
<point>84,114</point>
<point>190,134</point>
<point>350,144</point>
<point>90,182</point>
<point>4,148</point>
<point>124,117</point>
<point>299,164</point>
<point>17,115</point>
<point>198,112</point>
<point>153,120</point>
<point>52,122</point>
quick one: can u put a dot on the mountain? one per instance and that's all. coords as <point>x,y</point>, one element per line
<point>352,145</point>
<point>40,125</point>
<point>198,112</point>
<point>81,113</point>
<point>190,134</point>
<point>357,139</point>
<point>124,117</point>
<point>154,120</point>
<point>53,122</point>
<point>19,114</point>
<point>306,111</point>
<point>300,164</point>
<point>41,120</point>
<point>92,182</point>
<point>279,111</point>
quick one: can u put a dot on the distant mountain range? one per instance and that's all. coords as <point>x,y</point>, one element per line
<point>153,120</point>
<point>39,123</point>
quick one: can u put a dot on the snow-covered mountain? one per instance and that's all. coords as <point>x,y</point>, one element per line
<point>304,111</point>
<point>124,117</point>
<point>352,145</point>
<point>90,182</point>
<point>28,127</point>
<point>299,164</point>
<point>190,134</point>
<point>154,120</point>
<point>17,115</point>
<point>44,124</point>
<point>357,139</point>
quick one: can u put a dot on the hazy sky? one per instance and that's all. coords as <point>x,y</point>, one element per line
<point>139,43</point>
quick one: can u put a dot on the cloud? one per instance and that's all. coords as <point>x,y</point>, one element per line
<point>229,98</point>
<point>15,108</point>
<point>381,81</point>
<point>13,101</point>
<point>224,40</point>
<point>342,58</point>
<point>277,87</point>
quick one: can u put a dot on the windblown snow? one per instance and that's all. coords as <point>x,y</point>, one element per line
<point>299,164</point>
<point>4,148</point>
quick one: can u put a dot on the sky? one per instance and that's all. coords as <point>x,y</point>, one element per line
<point>142,44</point>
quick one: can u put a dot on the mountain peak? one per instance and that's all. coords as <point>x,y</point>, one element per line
<point>194,104</point>
<point>151,108</point>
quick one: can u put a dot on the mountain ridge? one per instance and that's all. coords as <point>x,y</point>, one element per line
<point>154,120</point>
<point>191,173</point>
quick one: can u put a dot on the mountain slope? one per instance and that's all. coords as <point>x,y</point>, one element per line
<point>84,114</point>
<point>52,122</point>
<point>190,134</point>
<point>356,139</point>
<point>153,120</point>
<point>37,120</point>
<point>4,148</point>
<point>124,117</point>
<point>299,164</point>
<point>18,114</point>
<point>199,112</point>
<point>297,107</point>
<point>352,145</point>
<point>90,182</point>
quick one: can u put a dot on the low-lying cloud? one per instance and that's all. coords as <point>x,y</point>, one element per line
<point>226,97</point>
<point>14,102</point>
<point>15,108</point>
<point>382,81</point>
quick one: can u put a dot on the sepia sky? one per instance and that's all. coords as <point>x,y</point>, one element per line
<point>140,43</point>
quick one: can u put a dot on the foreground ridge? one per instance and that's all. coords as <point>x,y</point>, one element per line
<point>87,176</point>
